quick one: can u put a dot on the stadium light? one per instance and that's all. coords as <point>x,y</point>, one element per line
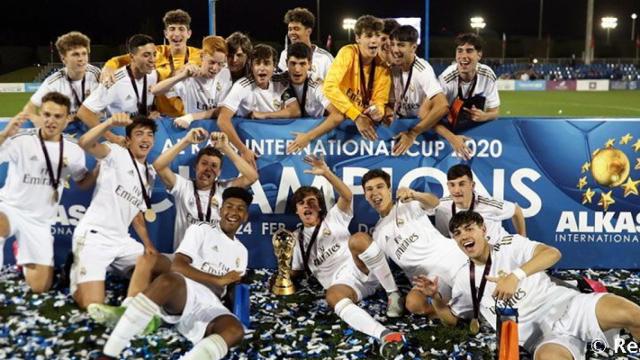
<point>634,16</point>
<point>478,23</point>
<point>349,24</point>
<point>608,23</point>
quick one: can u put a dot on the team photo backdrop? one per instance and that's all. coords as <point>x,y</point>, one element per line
<point>577,181</point>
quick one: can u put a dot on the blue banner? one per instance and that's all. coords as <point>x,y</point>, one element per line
<point>531,85</point>
<point>576,181</point>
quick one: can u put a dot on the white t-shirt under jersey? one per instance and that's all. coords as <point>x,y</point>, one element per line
<point>320,63</point>
<point>246,97</point>
<point>537,299</point>
<point>331,249</point>
<point>58,81</point>
<point>211,251</point>
<point>315,102</point>
<point>28,185</point>
<point>187,209</point>
<point>120,96</point>
<point>201,94</point>
<point>407,236</point>
<point>423,85</point>
<point>485,86</point>
<point>493,212</point>
<point>117,198</point>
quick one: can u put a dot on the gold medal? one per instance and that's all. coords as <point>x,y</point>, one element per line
<point>150,215</point>
<point>55,196</point>
<point>474,326</point>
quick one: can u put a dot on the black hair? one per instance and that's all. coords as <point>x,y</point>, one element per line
<point>405,33</point>
<point>141,121</point>
<point>238,193</point>
<point>57,98</point>
<point>299,50</point>
<point>376,173</point>
<point>304,191</point>
<point>458,171</point>
<point>462,218</point>
<point>138,40</point>
<point>470,38</point>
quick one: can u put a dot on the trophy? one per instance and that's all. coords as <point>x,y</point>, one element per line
<point>283,243</point>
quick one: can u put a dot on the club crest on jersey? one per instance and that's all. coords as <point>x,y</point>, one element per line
<point>218,86</point>
<point>65,162</point>
<point>214,202</point>
<point>326,232</point>
<point>400,221</point>
<point>277,104</point>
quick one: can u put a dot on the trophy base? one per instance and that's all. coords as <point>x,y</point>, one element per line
<point>283,287</point>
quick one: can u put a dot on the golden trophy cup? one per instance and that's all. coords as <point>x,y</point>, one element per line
<point>283,243</point>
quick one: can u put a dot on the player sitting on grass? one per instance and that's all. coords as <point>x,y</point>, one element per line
<point>349,268</point>
<point>209,258</point>
<point>554,322</point>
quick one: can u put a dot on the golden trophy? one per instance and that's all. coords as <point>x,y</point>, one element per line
<point>283,243</point>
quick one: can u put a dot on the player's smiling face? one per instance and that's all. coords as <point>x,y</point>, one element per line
<point>461,190</point>
<point>177,35</point>
<point>298,32</point>
<point>471,238</point>
<point>212,64</point>
<point>378,195</point>
<point>76,59</point>
<point>140,142</point>
<point>233,214</point>
<point>207,171</point>
<point>54,117</point>
<point>402,52</point>
<point>262,70</point>
<point>298,69</point>
<point>385,46</point>
<point>467,58</point>
<point>144,58</point>
<point>369,43</point>
<point>308,210</point>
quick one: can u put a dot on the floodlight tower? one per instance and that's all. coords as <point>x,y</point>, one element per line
<point>477,23</point>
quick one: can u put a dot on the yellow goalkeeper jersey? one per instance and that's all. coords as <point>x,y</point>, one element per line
<point>345,90</point>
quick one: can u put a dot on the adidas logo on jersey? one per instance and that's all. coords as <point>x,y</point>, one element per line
<point>33,158</point>
<point>130,172</point>
<point>215,248</point>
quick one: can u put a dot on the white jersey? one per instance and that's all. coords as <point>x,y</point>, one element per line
<point>493,212</point>
<point>537,299</point>
<point>211,251</point>
<point>320,63</point>
<point>423,84</point>
<point>202,94</point>
<point>407,236</point>
<point>28,185</point>
<point>120,96</point>
<point>246,97</point>
<point>118,196</point>
<point>315,102</point>
<point>75,90</point>
<point>331,249</point>
<point>187,208</point>
<point>485,85</point>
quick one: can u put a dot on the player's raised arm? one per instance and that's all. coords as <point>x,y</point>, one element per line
<point>89,141</point>
<point>320,167</point>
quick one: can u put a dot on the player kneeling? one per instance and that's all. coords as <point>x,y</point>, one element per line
<point>209,258</point>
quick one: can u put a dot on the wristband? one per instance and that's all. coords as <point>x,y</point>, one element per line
<point>519,273</point>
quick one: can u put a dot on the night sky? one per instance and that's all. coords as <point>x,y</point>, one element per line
<point>111,22</point>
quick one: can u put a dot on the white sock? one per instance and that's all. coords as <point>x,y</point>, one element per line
<point>358,319</point>
<point>377,263</point>
<point>138,314</point>
<point>212,347</point>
